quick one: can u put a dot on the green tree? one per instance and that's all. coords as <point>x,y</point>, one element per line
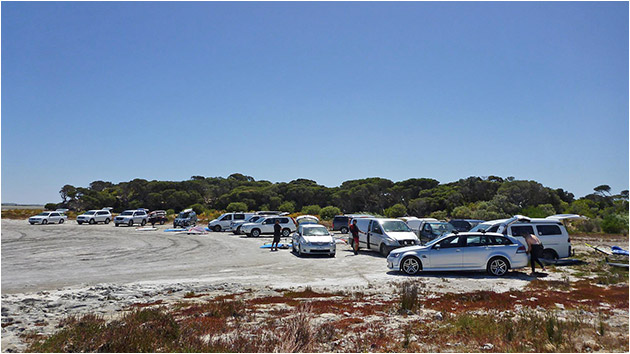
<point>440,214</point>
<point>615,223</point>
<point>236,206</point>
<point>462,212</point>
<point>198,208</point>
<point>395,211</point>
<point>289,207</point>
<point>311,209</point>
<point>602,190</point>
<point>329,212</point>
<point>50,206</point>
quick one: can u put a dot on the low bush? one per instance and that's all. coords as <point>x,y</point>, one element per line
<point>329,212</point>
<point>288,207</point>
<point>395,211</point>
<point>236,206</point>
<point>311,209</point>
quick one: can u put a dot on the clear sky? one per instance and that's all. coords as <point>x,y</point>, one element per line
<point>326,91</point>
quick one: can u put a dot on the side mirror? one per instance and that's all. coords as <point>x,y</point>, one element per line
<point>436,246</point>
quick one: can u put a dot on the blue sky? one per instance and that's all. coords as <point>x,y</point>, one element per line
<point>326,91</point>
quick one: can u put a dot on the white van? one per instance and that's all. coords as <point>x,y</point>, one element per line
<point>550,230</point>
<point>415,223</point>
<point>384,235</point>
<point>224,221</point>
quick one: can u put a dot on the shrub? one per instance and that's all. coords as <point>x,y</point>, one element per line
<point>311,209</point>
<point>462,212</point>
<point>236,206</point>
<point>614,224</point>
<point>329,212</point>
<point>170,212</point>
<point>539,211</point>
<point>440,214</point>
<point>289,207</point>
<point>408,297</point>
<point>395,211</point>
<point>198,208</point>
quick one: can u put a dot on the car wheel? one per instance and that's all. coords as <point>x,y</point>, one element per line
<point>217,228</point>
<point>32,223</point>
<point>498,266</point>
<point>332,255</point>
<point>80,222</point>
<point>383,250</point>
<point>161,222</point>
<point>255,232</point>
<point>130,223</point>
<point>344,230</point>
<point>144,222</point>
<point>61,221</point>
<point>107,221</point>
<point>92,222</point>
<point>44,222</point>
<point>293,246</point>
<point>300,254</point>
<point>116,224</point>
<point>411,265</point>
<point>286,232</point>
<point>238,230</point>
<point>550,254</point>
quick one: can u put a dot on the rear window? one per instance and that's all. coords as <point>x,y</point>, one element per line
<point>284,220</point>
<point>239,216</point>
<point>521,230</point>
<point>544,230</point>
<point>498,240</point>
<point>340,218</point>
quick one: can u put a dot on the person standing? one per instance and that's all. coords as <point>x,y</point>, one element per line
<point>354,229</point>
<point>277,229</point>
<point>535,248</point>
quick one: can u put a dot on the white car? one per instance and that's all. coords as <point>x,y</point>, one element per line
<point>550,230</point>
<point>224,221</point>
<point>236,225</point>
<point>48,217</point>
<point>95,216</point>
<point>265,226</point>
<point>492,252</point>
<point>383,235</point>
<point>130,217</point>
<point>313,239</point>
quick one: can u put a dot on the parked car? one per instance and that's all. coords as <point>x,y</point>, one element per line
<point>235,226</point>
<point>552,233</point>
<point>185,218</point>
<point>224,221</point>
<point>415,223</point>
<point>430,230</point>
<point>313,239</point>
<point>265,226</point>
<point>464,225</point>
<point>157,217</point>
<point>383,235</point>
<point>95,216</point>
<point>340,223</point>
<point>48,217</point>
<point>492,252</point>
<point>130,217</point>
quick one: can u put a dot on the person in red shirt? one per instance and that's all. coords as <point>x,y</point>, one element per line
<point>355,236</point>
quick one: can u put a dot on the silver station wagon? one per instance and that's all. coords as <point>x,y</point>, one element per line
<point>492,252</point>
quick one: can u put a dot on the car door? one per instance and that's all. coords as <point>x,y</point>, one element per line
<point>54,218</point>
<point>374,235</point>
<point>475,252</point>
<point>447,254</point>
<point>267,226</point>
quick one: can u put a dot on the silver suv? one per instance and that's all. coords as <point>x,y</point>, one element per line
<point>95,216</point>
<point>131,217</point>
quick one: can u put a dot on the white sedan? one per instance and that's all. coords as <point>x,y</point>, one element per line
<point>48,217</point>
<point>313,239</point>
<point>492,252</point>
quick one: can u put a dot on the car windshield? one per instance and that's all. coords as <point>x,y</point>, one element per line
<point>43,214</point>
<point>127,213</point>
<point>480,227</point>
<point>183,215</point>
<point>439,228</point>
<point>315,231</point>
<point>395,226</point>
<point>434,241</point>
<point>91,212</point>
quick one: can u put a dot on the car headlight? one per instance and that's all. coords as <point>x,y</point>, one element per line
<point>394,255</point>
<point>304,242</point>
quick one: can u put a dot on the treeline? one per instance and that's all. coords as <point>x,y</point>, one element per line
<point>484,198</point>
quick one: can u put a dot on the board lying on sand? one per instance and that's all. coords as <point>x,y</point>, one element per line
<point>280,245</point>
<point>175,230</point>
<point>599,249</point>
<point>147,229</point>
<point>619,265</point>
<point>619,251</point>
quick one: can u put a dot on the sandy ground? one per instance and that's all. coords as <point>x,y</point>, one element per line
<point>52,271</point>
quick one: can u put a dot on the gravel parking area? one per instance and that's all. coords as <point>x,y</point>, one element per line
<point>53,271</point>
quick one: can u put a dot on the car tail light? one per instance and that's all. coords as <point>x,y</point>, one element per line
<point>521,249</point>
<point>569,240</point>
